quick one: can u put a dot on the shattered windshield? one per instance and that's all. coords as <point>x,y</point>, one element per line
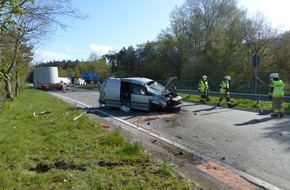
<point>155,87</point>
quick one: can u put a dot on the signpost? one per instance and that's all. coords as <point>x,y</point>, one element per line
<point>256,63</point>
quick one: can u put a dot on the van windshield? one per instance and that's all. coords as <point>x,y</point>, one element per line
<point>155,87</point>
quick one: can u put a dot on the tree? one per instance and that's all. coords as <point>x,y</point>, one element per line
<point>204,35</point>
<point>9,10</point>
<point>281,56</point>
<point>36,22</point>
<point>10,55</point>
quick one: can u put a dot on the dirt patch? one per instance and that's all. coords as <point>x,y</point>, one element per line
<point>226,176</point>
<point>62,165</point>
<point>150,117</point>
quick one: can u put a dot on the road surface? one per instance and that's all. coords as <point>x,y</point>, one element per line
<point>256,146</point>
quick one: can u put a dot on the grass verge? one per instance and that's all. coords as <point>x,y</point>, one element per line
<point>43,148</point>
<point>239,103</point>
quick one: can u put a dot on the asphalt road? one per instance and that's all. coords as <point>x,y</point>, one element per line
<point>257,145</point>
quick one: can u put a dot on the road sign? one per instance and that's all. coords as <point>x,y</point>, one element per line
<point>90,76</point>
<point>256,60</point>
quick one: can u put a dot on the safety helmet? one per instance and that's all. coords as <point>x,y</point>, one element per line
<point>227,77</point>
<point>273,75</point>
<point>204,77</point>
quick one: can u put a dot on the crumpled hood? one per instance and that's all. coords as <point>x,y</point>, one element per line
<point>170,86</point>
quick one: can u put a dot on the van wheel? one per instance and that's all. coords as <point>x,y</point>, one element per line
<point>150,107</point>
<point>153,107</point>
<point>169,109</point>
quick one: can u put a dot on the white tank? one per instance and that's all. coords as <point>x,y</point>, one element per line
<point>45,75</point>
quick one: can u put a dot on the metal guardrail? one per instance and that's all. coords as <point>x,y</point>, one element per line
<point>263,97</point>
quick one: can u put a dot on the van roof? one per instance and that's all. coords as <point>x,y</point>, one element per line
<point>136,80</point>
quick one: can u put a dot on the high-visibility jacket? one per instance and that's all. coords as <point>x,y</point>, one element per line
<point>224,87</point>
<point>203,86</point>
<point>277,88</point>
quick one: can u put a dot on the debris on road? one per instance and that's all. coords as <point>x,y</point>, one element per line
<point>105,126</point>
<point>79,115</point>
<point>35,114</point>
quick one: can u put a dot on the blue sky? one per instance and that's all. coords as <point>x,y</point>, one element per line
<point>113,24</point>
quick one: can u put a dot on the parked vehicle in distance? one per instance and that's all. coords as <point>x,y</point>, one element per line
<point>139,93</point>
<point>47,87</point>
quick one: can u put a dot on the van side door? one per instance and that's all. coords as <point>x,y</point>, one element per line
<point>125,93</point>
<point>110,93</point>
<point>140,97</point>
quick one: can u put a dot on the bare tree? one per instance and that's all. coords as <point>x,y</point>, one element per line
<point>9,9</point>
<point>259,34</point>
<point>37,22</point>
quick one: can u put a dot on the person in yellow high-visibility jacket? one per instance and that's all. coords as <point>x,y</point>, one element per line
<point>225,91</point>
<point>203,90</point>
<point>276,94</point>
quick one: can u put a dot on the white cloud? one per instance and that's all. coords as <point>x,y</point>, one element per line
<point>275,12</point>
<point>67,53</point>
<point>70,49</point>
<point>99,49</point>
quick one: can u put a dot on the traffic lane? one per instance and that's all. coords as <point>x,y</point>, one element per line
<point>223,134</point>
<point>256,144</point>
<point>85,96</point>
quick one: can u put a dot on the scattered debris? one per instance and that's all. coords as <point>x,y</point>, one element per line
<point>79,115</point>
<point>179,137</point>
<point>35,114</point>
<point>264,112</point>
<point>180,153</point>
<point>125,109</point>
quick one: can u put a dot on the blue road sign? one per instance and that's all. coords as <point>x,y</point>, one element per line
<point>90,76</point>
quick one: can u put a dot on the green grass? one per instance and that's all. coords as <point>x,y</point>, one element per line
<point>239,103</point>
<point>51,151</point>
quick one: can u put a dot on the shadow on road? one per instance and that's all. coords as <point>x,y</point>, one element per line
<point>280,133</point>
<point>254,121</point>
<point>207,109</point>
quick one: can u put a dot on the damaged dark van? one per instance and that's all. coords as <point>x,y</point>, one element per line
<point>139,93</point>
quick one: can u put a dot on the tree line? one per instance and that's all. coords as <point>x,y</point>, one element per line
<point>211,37</point>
